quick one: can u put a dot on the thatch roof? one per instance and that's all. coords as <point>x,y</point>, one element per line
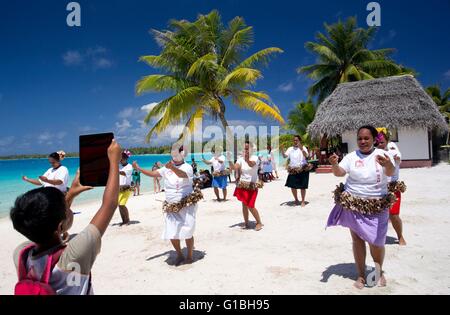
<point>392,102</point>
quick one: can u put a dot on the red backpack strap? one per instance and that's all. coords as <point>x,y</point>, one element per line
<point>23,256</point>
<point>52,260</point>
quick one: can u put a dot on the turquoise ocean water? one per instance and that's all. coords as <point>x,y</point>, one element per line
<point>12,185</point>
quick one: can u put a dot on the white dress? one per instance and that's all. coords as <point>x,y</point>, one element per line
<point>181,225</point>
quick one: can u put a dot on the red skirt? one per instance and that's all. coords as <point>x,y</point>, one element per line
<point>247,197</point>
<point>395,209</point>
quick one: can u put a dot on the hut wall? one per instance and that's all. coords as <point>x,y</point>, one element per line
<point>413,144</point>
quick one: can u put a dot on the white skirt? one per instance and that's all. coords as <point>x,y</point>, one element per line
<point>181,225</point>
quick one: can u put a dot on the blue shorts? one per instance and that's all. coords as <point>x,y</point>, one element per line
<point>220,182</point>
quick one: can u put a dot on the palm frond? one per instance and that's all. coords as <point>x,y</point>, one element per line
<point>240,77</point>
<point>248,101</point>
<point>204,65</point>
<point>262,57</point>
<point>160,83</point>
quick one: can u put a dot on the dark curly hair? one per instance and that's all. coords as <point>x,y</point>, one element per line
<point>37,213</point>
<point>372,130</point>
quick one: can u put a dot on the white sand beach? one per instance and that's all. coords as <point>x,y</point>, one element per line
<point>292,254</point>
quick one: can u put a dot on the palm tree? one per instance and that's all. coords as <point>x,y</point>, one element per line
<point>202,65</point>
<point>442,100</point>
<point>300,117</point>
<point>443,103</point>
<point>343,56</point>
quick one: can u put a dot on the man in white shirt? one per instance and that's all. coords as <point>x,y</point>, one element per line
<point>125,172</point>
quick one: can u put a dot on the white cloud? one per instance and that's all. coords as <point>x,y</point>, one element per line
<point>126,113</point>
<point>97,57</point>
<point>85,129</point>
<point>102,63</point>
<point>98,50</point>
<point>43,137</point>
<point>49,138</point>
<point>147,108</point>
<point>61,135</point>
<point>390,36</point>
<point>286,87</point>
<point>6,141</point>
<point>123,126</point>
<point>244,123</point>
<point>446,74</point>
<point>72,58</point>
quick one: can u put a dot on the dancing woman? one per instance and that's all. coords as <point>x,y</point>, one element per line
<point>395,185</point>
<point>220,174</point>
<point>362,205</point>
<point>180,206</point>
<point>56,176</point>
<point>247,185</point>
<point>298,169</point>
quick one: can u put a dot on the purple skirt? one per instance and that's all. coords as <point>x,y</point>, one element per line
<point>370,228</point>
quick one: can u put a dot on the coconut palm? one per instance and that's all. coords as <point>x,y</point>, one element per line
<point>343,56</point>
<point>441,100</point>
<point>202,65</point>
<point>300,117</point>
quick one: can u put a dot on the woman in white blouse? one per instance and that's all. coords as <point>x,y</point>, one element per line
<point>56,176</point>
<point>178,178</point>
<point>368,170</point>
<point>298,159</point>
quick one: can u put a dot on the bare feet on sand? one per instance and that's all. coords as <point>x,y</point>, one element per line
<point>401,241</point>
<point>382,281</point>
<point>188,261</point>
<point>258,226</point>
<point>359,283</point>
<point>303,204</point>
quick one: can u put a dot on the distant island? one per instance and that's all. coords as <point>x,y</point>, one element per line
<point>136,151</point>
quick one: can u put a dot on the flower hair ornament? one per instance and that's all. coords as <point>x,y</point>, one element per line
<point>127,153</point>
<point>61,154</point>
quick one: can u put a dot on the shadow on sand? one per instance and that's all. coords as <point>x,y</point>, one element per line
<point>172,256</point>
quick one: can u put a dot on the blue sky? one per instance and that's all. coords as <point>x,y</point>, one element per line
<point>57,82</point>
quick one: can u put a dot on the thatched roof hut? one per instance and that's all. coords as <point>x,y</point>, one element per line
<point>392,102</point>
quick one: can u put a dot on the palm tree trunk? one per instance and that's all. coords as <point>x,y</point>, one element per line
<point>230,140</point>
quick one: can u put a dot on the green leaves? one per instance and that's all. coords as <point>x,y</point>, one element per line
<point>160,83</point>
<point>261,58</point>
<point>251,101</point>
<point>343,56</point>
<point>201,64</point>
<point>240,77</point>
<point>442,100</point>
<point>300,117</point>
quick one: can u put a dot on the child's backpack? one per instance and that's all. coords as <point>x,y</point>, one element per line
<point>27,285</point>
